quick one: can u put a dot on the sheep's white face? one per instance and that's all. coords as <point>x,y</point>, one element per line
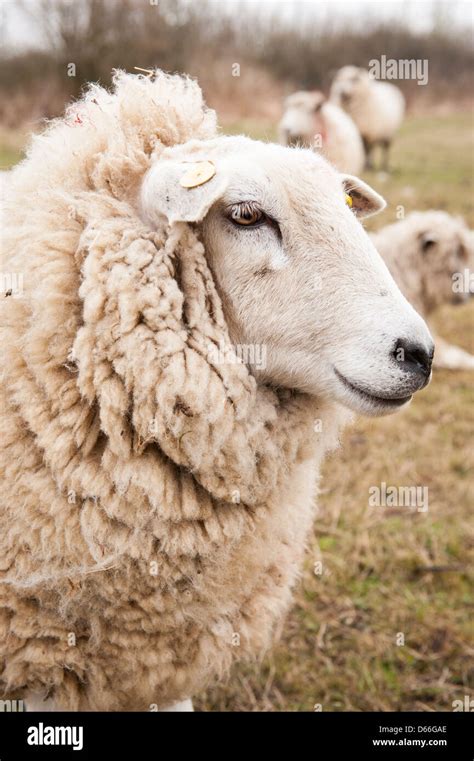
<point>299,278</point>
<point>302,118</point>
<point>444,249</point>
<point>349,81</point>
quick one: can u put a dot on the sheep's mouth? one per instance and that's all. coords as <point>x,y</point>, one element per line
<point>385,402</point>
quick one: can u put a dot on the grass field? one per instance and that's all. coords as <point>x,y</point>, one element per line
<point>11,147</point>
<point>386,572</point>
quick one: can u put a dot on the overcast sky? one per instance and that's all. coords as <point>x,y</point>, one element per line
<point>20,30</point>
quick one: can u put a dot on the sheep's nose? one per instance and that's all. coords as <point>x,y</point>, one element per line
<point>414,357</point>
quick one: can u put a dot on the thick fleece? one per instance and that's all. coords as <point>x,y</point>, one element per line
<point>154,505</point>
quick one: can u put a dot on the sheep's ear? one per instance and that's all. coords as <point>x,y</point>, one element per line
<point>180,191</point>
<point>364,201</point>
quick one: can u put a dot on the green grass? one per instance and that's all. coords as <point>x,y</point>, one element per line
<point>258,130</point>
<point>432,168</point>
<point>9,157</point>
<point>11,147</point>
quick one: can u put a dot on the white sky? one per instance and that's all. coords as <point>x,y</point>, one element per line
<point>18,30</point>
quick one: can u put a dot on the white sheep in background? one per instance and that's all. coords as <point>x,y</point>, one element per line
<point>377,108</point>
<point>157,488</point>
<point>430,255</point>
<point>309,116</point>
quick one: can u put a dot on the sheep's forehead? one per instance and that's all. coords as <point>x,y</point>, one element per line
<point>304,99</point>
<point>347,72</point>
<point>445,227</point>
<point>280,171</point>
<point>264,172</point>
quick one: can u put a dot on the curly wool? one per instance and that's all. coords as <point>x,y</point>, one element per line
<point>155,505</point>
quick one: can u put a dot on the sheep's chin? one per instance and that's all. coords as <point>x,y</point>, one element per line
<point>367,404</point>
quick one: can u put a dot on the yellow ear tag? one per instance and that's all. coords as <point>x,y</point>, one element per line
<point>348,200</point>
<point>200,172</point>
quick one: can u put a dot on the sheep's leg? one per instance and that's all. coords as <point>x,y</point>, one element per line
<point>368,153</point>
<point>451,357</point>
<point>386,150</point>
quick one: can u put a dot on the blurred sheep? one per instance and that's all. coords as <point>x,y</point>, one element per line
<point>377,108</point>
<point>431,257</point>
<point>308,115</point>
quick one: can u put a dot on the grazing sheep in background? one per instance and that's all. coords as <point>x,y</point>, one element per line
<point>427,253</point>
<point>158,486</point>
<point>377,108</point>
<point>308,115</point>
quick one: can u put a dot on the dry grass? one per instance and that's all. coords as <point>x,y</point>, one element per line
<point>386,570</point>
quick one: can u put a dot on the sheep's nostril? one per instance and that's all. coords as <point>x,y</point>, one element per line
<point>414,357</point>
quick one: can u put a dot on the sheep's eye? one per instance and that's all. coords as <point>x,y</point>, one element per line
<point>427,242</point>
<point>247,214</point>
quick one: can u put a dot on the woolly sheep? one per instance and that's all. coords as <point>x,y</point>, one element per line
<point>309,115</point>
<point>157,486</point>
<point>431,257</point>
<point>377,108</point>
